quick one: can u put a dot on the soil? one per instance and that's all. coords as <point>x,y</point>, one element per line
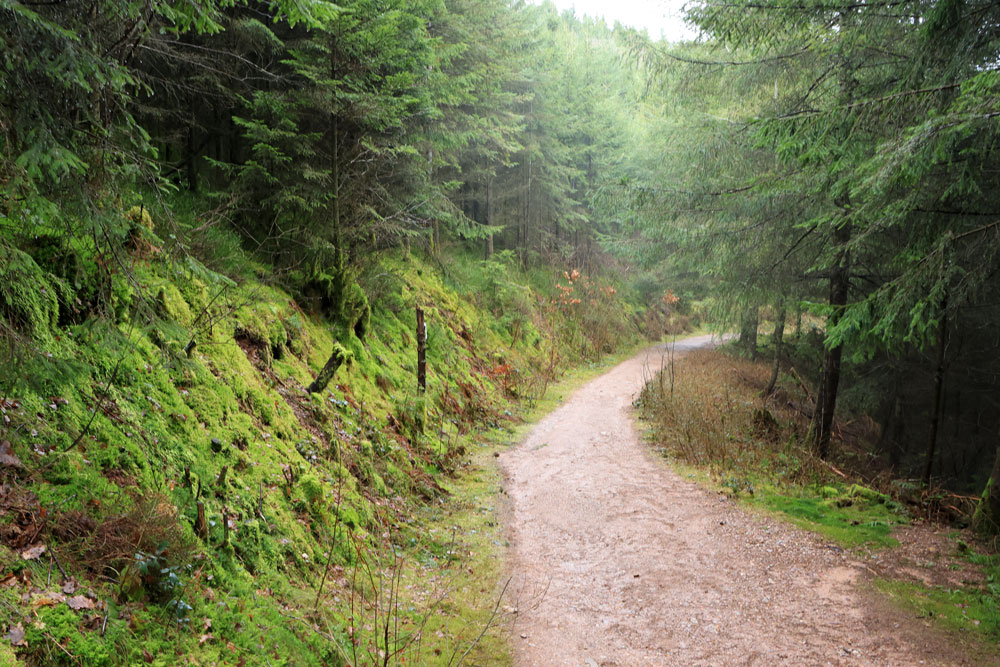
<point>617,560</point>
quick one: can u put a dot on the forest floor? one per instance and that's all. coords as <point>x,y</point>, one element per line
<point>618,560</point>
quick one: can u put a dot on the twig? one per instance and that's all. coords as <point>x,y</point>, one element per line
<point>58,565</point>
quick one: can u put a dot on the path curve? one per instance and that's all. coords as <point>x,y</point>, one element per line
<point>617,560</point>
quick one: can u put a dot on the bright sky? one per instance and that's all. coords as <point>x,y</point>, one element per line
<point>659,17</point>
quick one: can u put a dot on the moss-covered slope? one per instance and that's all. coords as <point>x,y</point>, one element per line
<point>141,393</point>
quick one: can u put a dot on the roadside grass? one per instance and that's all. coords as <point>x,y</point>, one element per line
<point>707,416</point>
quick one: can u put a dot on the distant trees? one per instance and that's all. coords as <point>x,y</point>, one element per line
<point>845,153</point>
<point>320,131</point>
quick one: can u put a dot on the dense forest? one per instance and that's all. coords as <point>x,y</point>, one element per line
<point>223,223</point>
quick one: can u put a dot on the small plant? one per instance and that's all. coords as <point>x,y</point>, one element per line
<point>159,579</point>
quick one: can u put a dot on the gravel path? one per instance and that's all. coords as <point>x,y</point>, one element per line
<point>619,561</point>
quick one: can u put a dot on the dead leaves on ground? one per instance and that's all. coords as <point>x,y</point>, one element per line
<point>78,602</point>
<point>16,635</point>
<point>34,552</point>
<point>7,457</point>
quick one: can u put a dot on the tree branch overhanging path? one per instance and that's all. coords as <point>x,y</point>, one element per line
<point>633,565</point>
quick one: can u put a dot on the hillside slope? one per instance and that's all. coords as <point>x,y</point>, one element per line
<point>143,391</point>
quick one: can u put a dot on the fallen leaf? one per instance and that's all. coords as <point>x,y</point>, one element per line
<point>33,553</point>
<point>69,587</point>
<point>207,625</point>
<point>147,656</point>
<point>7,457</point>
<point>16,635</point>
<point>47,600</point>
<point>204,638</point>
<point>78,602</point>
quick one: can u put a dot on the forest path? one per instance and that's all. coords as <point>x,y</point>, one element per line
<point>617,560</point>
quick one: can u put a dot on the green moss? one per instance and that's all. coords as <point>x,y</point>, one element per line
<point>965,609</point>
<point>162,409</point>
<point>870,495</point>
<point>312,489</point>
<point>849,525</point>
<point>139,215</point>
<point>172,305</point>
<point>61,624</point>
<point>28,297</point>
<point>7,656</point>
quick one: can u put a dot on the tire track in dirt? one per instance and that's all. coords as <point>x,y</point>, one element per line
<point>616,560</point>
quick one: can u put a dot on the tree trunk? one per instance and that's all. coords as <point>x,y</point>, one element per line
<point>489,217</point>
<point>748,332</point>
<point>779,334</point>
<point>895,430</point>
<point>932,433</point>
<point>192,165</point>
<point>421,351</point>
<point>826,397</point>
<point>200,523</point>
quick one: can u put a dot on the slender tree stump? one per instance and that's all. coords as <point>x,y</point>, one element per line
<point>421,351</point>
<point>200,523</point>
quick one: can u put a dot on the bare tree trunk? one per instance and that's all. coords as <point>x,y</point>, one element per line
<point>421,351</point>
<point>932,434</point>
<point>826,398</point>
<point>779,335</point>
<point>192,165</point>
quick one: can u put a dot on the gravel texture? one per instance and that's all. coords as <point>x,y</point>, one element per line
<point>617,560</point>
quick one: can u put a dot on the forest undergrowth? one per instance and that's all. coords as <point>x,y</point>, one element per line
<point>708,414</point>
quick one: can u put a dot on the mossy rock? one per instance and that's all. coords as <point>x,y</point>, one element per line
<point>829,492</point>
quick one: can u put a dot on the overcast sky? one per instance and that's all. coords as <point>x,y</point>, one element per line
<point>659,17</point>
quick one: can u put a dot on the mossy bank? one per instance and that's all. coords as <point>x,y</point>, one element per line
<point>171,492</point>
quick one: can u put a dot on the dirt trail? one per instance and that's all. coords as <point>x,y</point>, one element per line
<point>619,561</point>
